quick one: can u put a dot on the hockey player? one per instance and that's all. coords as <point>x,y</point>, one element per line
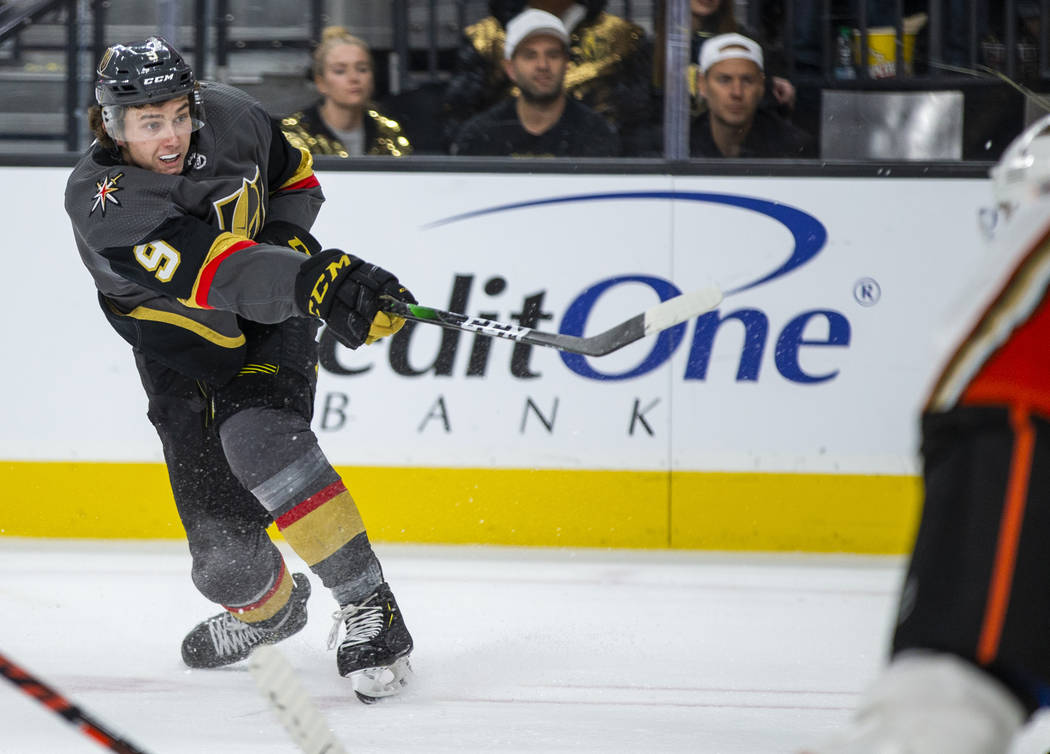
<point>971,651</point>
<point>191,211</point>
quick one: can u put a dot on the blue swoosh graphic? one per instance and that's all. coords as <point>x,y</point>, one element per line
<point>808,232</point>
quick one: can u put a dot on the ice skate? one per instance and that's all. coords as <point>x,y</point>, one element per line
<point>374,652</point>
<point>223,640</point>
<point>927,703</point>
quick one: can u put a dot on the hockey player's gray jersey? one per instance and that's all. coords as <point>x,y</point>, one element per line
<point>173,256</point>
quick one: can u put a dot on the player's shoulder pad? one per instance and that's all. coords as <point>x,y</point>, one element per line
<point>228,109</point>
<point>114,204</point>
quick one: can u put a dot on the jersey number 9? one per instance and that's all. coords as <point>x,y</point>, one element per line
<point>159,258</point>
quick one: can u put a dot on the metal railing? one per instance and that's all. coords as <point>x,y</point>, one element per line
<point>981,46</point>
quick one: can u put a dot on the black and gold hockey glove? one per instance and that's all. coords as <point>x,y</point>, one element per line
<point>283,233</point>
<point>344,291</point>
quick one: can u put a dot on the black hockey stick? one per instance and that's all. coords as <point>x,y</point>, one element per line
<point>65,709</point>
<point>653,320</point>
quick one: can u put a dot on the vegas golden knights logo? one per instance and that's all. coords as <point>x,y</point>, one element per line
<point>241,213</point>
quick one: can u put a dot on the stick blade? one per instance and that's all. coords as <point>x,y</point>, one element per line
<point>681,308</point>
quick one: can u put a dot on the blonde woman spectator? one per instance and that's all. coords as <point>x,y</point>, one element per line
<point>345,121</point>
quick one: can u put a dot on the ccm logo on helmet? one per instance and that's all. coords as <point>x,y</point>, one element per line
<point>157,79</point>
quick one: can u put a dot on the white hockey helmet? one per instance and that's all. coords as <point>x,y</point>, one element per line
<point>1022,174</point>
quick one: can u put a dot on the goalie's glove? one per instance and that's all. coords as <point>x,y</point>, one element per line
<point>344,291</point>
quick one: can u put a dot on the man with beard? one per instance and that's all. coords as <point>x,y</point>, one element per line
<point>609,68</point>
<point>542,121</point>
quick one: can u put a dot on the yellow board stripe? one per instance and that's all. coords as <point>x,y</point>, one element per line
<point>178,320</point>
<point>649,509</point>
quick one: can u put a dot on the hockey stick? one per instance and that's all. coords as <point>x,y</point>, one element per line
<point>62,707</point>
<point>297,712</point>
<point>653,320</point>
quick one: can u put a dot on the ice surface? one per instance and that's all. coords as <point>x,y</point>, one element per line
<point>517,650</point>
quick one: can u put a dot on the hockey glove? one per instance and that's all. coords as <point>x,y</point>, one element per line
<point>344,291</point>
<point>282,233</point>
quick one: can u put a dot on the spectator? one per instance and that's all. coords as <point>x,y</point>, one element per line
<point>711,18</point>
<point>541,121</point>
<point>345,121</point>
<point>610,63</point>
<point>731,79</point>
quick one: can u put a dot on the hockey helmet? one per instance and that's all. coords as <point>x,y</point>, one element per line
<point>1022,174</point>
<point>144,73</point>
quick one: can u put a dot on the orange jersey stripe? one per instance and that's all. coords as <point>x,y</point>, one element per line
<point>1009,537</point>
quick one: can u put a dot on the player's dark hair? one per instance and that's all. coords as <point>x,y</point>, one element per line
<point>98,130</point>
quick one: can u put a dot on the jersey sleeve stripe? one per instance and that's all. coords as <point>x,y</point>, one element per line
<point>308,182</point>
<point>303,177</point>
<point>223,246</point>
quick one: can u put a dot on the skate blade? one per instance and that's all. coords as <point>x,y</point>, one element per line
<point>373,684</point>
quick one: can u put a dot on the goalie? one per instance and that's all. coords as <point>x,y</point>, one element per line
<point>192,213</point>
<point>971,652</point>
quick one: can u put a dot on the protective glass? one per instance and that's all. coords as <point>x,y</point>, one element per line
<point>147,123</point>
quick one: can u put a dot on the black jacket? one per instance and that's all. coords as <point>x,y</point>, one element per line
<point>610,68</point>
<point>769,137</point>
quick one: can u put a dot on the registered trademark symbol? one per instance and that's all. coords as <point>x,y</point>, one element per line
<point>867,292</point>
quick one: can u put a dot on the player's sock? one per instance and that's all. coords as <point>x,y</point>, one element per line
<point>224,639</point>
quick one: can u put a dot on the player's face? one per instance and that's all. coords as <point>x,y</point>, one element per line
<point>157,137</point>
<point>538,68</point>
<point>347,79</point>
<point>733,88</point>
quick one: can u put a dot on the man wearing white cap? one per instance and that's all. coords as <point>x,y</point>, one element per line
<point>542,121</point>
<point>732,80</point>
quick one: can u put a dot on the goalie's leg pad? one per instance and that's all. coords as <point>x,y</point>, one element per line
<point>930,703</point>
<point>976,585</point>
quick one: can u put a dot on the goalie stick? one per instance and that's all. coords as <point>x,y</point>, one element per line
<point>653,320</point>
<point>47,696</point>
<point>297,712</point>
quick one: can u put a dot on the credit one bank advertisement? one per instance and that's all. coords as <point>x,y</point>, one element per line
<point>817,359</point>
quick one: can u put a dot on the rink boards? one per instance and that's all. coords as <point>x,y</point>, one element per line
<point>785,420</point>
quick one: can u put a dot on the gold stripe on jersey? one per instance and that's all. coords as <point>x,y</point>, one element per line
<point>304,171</point>
<point>224,243</point>
<point>147,314</point>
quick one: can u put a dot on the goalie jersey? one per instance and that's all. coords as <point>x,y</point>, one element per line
<point>180,261</point>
